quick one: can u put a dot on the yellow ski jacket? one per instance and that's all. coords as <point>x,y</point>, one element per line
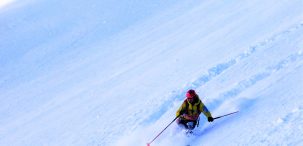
<point>193,109</point>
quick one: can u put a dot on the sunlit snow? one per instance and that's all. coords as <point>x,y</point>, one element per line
<point>113,73</point>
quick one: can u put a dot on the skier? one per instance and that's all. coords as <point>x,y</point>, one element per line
<point>189,111</point>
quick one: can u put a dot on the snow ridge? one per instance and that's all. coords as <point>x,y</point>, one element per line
<point>177,96</point>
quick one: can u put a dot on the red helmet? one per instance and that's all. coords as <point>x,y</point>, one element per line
<point>190,93</point>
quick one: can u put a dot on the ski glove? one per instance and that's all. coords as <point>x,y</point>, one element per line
<point>210,119</point>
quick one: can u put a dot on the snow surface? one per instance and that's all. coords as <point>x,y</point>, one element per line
<point>114,72</point>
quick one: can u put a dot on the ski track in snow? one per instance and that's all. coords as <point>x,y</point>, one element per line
<point>242,85</point>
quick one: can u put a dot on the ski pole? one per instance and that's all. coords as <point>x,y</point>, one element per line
<point>148,144</point>
<point>225,115</point>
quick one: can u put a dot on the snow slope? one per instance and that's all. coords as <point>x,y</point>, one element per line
<point>115,72</point>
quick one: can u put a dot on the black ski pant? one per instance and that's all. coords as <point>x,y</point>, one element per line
<point>183,122</point>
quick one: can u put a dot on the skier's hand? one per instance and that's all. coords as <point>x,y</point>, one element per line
<point>210,119</point>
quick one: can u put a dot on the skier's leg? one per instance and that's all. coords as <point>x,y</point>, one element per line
<point>182,123</point>
<point>195,123</point>
<point>191,124</point>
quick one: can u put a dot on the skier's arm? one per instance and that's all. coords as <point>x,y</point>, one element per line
<point>180,110</point>
<point>205,111</point>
